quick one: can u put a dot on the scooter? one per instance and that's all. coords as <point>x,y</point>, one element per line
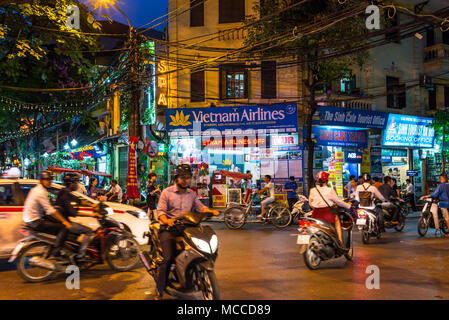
<point>301,209</point>
<point>426,220</point>
<point>192,275</point>
<point>318,240</point>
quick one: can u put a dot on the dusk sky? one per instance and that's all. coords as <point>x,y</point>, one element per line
<point>139,12</point>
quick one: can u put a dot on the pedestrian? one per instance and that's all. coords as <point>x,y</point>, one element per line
<point>153,191</point>
<point>360,180</point>
<point>291,187</point>
<point>410,191</point>
<point>115,193</point>
<point>93,191</point>
<point>395,187</point>
<point>351,186</point>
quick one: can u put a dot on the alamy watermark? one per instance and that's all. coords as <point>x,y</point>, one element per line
<point>73,17</point>
<point>73,280</point>
<point>373,280</point>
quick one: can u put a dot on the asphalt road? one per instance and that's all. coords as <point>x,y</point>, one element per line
<point>260,262</point>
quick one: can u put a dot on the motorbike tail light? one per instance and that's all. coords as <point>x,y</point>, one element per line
<point>304,224</point>
<point>362,213</point>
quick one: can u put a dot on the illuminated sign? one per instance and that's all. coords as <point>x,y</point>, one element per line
<point>91,151</point>
<point>354,157</point>
<point>162,83</point>
<point>325,136</point>
<point>233,142</point>
<point>284,140</point>
<point>409,131</point>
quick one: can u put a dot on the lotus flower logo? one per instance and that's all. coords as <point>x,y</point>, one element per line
<point>180,120</point>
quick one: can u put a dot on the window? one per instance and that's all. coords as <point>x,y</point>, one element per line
<point>231,11</point>
<point>430,37</point>
<point>268,79</point>
<point>348,85</point>
<point>234,82</point>
<point>446,97</point>
<point>26,188</point>
<point>197,86</point>
<point>432,98</point>
<point>196,13</point>
<point>396,93</point>
<point>6,195</point>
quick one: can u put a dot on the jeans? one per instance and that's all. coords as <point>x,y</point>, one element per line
<point>291,202</point>
<point>394,209</point>
<point>167,240</point>
<point>380,215</point>
<point>51,226</point>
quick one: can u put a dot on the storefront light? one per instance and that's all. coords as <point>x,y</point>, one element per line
<point>26,162</point>
<point>74,142</point>
<point>66,146</point>
<point>45,155</point>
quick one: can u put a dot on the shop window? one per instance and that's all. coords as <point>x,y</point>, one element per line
<point>391,23</point>
<point>196,13</point>
<point>348,85</point>
<point>6,195</point>
<point>268,79</point>
<point>432,98</point>
<point>430,37</point>
<point>231,11</point>
<point>234,82</point>
<point>197,86</point>
<point>396,93</point>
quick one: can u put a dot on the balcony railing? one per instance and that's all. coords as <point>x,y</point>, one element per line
<point>436,52</point>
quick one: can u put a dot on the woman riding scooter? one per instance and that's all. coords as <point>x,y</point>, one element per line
<point>322,199</point>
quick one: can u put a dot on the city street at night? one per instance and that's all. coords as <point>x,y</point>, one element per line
<point>261,262</point>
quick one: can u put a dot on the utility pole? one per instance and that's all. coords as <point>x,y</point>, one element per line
<point>134,78</point>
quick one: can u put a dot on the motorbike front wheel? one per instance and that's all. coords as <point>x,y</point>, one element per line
<point>234,218</point>
<point>123,254</point>
<point>29,272</point>
<point>281,217</point>
<point>206,282</point>
<point>423,226</point>
<point>400,226</point>
<point>311,259</point>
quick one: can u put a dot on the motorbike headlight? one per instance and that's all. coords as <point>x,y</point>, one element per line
<point>214,243</point>
<point>109,211</point>
<point>201,244</point>
<point>138,214</point>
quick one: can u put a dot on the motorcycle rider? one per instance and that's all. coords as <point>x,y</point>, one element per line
<point>442,194</point>
<point>271,198</point>
<point>174,203</point>
<point>322,198</point>
<point>389,194</point>
<point>64,205</point>
<point>40,215</point>
<point>367,187</point>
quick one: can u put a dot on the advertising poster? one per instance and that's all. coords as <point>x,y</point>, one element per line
<point>339,162</point>
<point>366,162</point>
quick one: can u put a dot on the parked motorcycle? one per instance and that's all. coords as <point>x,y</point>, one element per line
<point>426,220</point>
<point>318,240</point>
<point>112,244</point>
<point>368,221</point>
<point>301,209</point>
<point>236,214</point>
<point>196,252</point>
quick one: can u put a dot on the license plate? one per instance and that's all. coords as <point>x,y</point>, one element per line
<point>361,222</point>
<point>303,239</point>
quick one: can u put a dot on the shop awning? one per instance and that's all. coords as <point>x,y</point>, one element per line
<point>235,175</point>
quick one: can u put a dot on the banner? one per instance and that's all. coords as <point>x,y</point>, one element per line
<point>325,136</point>
<point>132,190</point>
<point>334,116</point>
<point>339,161</point>
<point>366,162</point>
<point>282,118</point>
<point>409,131</point>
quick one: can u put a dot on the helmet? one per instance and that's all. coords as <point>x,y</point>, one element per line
<point>183,169</point>
<point>70,178</point>
<point>46,175</point>
<point>322,176</point>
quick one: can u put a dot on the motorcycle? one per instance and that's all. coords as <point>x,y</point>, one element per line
<point>368,221</point>
<point>112,244</point>
<point>196,252</point>
<point>426,220</point>
<point>301,209</point>
<point>318,240</point>
<point>236,214</point>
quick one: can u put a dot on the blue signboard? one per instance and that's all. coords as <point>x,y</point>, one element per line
<point>412,173</point>
<point>326,136</point>
<point>343,117</point>
<point>282,118</point>
<point>353,157</point>
<point>91,151</point>
<point>409,131</point>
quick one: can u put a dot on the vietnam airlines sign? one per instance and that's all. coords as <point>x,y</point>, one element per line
<point>277,118</point>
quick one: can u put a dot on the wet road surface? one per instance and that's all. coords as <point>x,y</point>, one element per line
<point>261,262</point>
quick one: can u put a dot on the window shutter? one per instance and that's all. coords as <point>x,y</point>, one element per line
<point>268,70</point>
<point>231,11</point>
<point>196,13</point>
<point>197,86</point>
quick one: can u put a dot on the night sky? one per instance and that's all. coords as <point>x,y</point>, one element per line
<point>139,12</point>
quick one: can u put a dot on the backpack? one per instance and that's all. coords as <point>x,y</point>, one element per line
<point>365,197</point>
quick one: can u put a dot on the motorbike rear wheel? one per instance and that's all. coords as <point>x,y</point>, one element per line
<point>311,259</point>
<point>122,254</point>
<point>31,273</point>
<point>281,217</point>
<point>365,235</point>
<point>350,254</point>
<point>444,227</point>
<point>400,226</point>
<point>234,218</point>
<point>423,226</point>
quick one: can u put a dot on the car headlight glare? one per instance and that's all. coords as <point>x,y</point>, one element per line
<point>201,244</point>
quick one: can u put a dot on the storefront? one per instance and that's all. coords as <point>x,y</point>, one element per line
<point>260,139</point>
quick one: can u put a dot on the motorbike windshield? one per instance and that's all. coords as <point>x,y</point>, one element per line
<point>195,217</point>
